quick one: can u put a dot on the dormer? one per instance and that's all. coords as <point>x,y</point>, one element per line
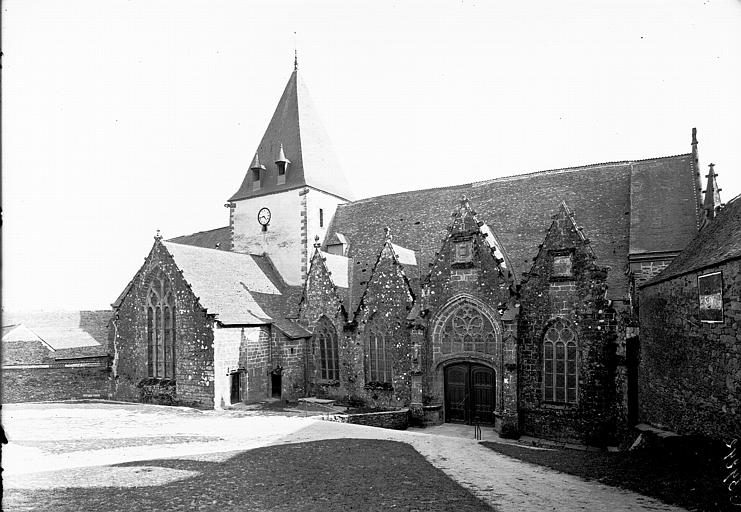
<point>282,164</point>
<point>257,171</point>
<point>337,244</point>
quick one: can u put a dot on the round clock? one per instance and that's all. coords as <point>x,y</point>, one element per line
<point>263,216</point>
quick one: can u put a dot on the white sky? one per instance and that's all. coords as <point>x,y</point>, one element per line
<point>123,117</point>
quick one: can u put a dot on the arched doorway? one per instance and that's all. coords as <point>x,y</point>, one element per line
<point>470,391</point>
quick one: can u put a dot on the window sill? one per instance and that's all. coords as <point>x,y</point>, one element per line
<point>561,279</point>
<point>379,386</point>
<point>328,382</point>
<point>558,405</point>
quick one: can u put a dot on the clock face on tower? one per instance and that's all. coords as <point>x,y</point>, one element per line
<point>263,216</point>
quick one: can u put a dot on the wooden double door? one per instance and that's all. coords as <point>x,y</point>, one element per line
<point>470,393</point>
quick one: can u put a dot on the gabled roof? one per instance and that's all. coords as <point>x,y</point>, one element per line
<point>220,238</point>
<point>720,241</point>
<point>224,282</point>
<point>19,332</point>
<point>519,209</point>
<point>37,335</point>
<point>64,329</point>
<point>295,125</point>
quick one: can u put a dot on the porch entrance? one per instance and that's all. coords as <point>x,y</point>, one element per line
<point>469,393</point>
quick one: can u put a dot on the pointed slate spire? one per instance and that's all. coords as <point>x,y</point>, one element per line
<point>712,194</point>
<point>296,127</point>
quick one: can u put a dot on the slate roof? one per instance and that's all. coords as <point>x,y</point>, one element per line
<point>664,215</point>
<point>338,267</point>
<point>283,308</point>
<point>69,334</point>
<point>224,282</point>
<point>519,210</point>
<point>296,125</point>
<point>718,242</point>
<point>208,239</point>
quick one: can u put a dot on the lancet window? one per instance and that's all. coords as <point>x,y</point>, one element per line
<point>559,363</point>
<point>161,328</point>
<point>325,337</point>
<point>379,343</point>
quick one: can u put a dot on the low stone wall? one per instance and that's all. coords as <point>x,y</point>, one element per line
<point>396,420</point>
<point>47,384</point>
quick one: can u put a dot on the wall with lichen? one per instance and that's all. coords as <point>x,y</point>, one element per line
<point>481,285</point>
<point>690,370</point>
<point>194,339</point>
<point>321,299</point>
<point>578,299</point>
<point>388,298</point>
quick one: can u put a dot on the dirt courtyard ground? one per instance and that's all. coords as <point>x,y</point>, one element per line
<point>106,438</point>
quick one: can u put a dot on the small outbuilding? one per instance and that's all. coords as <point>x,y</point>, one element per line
<point>690,316</point>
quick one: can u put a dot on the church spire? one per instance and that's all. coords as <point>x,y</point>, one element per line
<point>295,130</point>
<point>711,203</point>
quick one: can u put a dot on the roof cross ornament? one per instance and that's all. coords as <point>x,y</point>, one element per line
<point>387,233</point>
<point>158,237</point>
<point>317,245</point>
<point>295,53</point>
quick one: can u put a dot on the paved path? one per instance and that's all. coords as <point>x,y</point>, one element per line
<point>63,436</point>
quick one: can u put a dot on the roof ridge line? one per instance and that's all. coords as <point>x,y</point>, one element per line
<point>196,233</point>
<point>512,177</point>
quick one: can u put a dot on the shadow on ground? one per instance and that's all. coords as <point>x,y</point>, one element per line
<point>340,474</point>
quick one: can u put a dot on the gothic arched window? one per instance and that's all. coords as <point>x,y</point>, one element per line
<point>161,328</point>
<point>325,336</point>
<point>378,349</point>
<point>468,330</point>
<point>559,363</point>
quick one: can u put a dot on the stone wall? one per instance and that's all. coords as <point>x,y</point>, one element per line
<point>321,299</point>
<point>288,354</point>
<point>227,345</point>
<point>60,382</point>
<point>578,298</point>
<point>396,420</point>
<point>483,285</point>
<point>690,371</point>
<point>194,349</point>
<point>388,300</point>
<point>645,270</point>
<point>26,352</point>
<point>254,356</point>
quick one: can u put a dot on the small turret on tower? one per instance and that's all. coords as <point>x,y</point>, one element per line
<point>711,204</point>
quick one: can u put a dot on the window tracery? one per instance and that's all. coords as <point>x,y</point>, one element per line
<point>325,336</point>
<point>161,328</point>
<point>378,351</point>
<point>559,363</point>
<point>468,330</point>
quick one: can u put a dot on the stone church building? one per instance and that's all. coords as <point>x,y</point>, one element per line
<point>509,302</point>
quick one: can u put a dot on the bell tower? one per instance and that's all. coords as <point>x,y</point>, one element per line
<point>292,188</point>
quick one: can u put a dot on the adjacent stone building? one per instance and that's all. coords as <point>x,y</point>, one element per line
<point>194,326</point>
<point>516,310</point>
<point>690,358</point>
<point>55,355</point>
